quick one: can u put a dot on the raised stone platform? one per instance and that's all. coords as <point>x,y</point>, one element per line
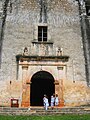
<point>41,111</point>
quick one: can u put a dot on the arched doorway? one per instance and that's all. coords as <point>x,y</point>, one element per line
<point>42,83</point>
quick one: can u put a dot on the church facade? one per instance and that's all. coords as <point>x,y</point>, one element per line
<point>44,49</point>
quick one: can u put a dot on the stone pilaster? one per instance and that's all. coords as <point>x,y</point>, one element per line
<point>61,86</point>
<point>25,87</point>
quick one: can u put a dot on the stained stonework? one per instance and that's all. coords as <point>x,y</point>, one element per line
<point>78,93</point>
<point>21,19</point>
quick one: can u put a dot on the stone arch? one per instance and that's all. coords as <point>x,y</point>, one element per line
<point>42,82</point>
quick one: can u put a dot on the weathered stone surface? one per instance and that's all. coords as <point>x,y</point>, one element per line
<point>64,31</point>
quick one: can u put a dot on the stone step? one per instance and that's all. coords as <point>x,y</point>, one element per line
<point>41,111</point>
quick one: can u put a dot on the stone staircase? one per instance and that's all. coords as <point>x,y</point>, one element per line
<point>41,111</point>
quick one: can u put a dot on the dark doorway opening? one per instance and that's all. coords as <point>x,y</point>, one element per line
<point>42,83</point>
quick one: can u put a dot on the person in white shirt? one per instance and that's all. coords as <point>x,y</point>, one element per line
<point>46,103</point>
<point>56,100</point>
<point>44,100</point>
<point>52,101</point>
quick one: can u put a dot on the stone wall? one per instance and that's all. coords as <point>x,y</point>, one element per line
<point>22,21</point>
<point>63,28</point>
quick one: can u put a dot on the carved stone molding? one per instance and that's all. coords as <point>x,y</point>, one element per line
<point>25,67</point>
<point>42,58</point>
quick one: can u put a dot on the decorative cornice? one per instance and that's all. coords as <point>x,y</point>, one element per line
<point>42,58</point>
